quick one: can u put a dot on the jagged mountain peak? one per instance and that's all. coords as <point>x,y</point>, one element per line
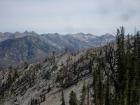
<point>56,41</point>
<point>83,37</point>
<point>29,32</point>
<point>108,34</point>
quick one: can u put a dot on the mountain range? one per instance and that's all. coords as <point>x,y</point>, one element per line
<point>16,48</point>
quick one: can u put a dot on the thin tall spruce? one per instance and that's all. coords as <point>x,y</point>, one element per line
<point>63,98</point>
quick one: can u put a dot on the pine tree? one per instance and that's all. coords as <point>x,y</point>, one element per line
<point>73,99</point>
<point>84,94</point>
<point>88,94</point>
<point>95,88</point>
<point>10,68</point>
<point>78,74</point>
<point>63,99</point>
<point>134,75</point>
<point>9,80</point>
<point>101,84</point>
<point>90,66</point>
<point>32,101</point>
<point>16,74</point>
<point>125,88</point>
<point>138,80</point>
<point>107,91</point>
<point>49,88</point>
<point>121,67</point>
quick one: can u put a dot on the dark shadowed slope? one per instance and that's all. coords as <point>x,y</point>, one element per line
<point>28,48</point>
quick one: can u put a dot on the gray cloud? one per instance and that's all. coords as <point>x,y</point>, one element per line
<point>128,15</point>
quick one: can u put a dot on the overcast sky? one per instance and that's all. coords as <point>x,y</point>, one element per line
<point>69,16</point>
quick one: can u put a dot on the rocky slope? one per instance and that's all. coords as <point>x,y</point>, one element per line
<point>45,78</point>
<point>42,83</point>
<point>15,50</point>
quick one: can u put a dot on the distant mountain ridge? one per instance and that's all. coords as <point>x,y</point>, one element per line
<point>15,48</point>
<point>17,51</point>
<point>81,40</point>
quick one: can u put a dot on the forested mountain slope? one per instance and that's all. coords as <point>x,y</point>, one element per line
<point>103,75</point>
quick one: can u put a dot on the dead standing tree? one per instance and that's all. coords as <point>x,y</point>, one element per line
<point>109,64</point>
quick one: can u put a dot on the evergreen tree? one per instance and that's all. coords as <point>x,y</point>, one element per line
<point>95,88</point>
<point>121,68</point>
<point>73,99</point>
<point>44,97</point>
<point>90,66</point>
<point>74,67</point>
<point>78,74</point>
<point>10,68</point>
<point>134,75</point>
<point>32,101</point>
<point>125,88</point>
<point>63,99</point>
<point>9,80</point>
<point>98,84</point>
<point>16,74</point>
<point>138,80</point>
<point>107,93</point>
<point>88,94</point>
<point>49,88</point>
<point>101,84</point>
<point>84,95</point>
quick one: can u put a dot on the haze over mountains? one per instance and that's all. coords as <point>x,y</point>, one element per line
<point>16,48</point>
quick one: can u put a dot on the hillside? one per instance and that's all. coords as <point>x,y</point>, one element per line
<point>42,83</point>
<point>48,74</point>
<point>30,49</point>
<point>56,43</point>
